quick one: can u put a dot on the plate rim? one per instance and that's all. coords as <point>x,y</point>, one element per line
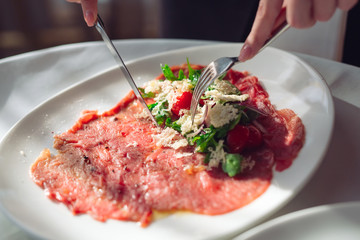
<point>306,212</point>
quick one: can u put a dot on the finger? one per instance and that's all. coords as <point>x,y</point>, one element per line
<point>90,10</point>
<point>74,1</point>
<point>346,5</point>
<point>299,13</point>
<point>323,10</point>
<point>265,18</point>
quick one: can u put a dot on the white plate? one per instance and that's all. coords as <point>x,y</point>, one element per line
<point>327,222</point>
<point>291,84</point>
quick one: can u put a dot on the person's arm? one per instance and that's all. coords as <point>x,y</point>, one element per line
<point>299,14</point>
<point>90,9</point>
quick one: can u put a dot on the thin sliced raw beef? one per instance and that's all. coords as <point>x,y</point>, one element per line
<point>109,166</point>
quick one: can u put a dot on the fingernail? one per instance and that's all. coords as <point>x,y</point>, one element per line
<point>245,53</point>
<point>89,18</point>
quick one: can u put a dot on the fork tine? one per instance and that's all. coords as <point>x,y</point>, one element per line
<point>220,66</point>
<point>204,81</point>
<point>199,87</point>
<point>203,75</point>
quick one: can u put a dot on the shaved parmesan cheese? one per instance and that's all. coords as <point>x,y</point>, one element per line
<point>217,155</point>
<point>170,138</point>
<point>225,87</point>
<point>167,90</point>
<point>185,120</point>
<point>225,91</point>
<point>216,95</point>
<point>221,114</point>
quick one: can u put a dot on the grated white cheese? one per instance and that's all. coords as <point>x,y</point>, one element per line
<point>225,87</point>
<point>221,114</point>
<point>185,120</point>
<point>167,91</point>
<point>183,85</point>
<point>225,91</point>
<point>217,155</point>
<point>216,95</point>
<point>170,138</point>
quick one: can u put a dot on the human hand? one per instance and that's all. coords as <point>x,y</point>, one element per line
<point>89,8</point>
<point>299,14</point>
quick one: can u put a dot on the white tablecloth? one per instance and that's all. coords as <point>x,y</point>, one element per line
<point>24,84</point>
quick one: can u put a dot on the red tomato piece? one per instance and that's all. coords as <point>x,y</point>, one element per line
<point>255,137</point>
<point>237,138</point>
<point>182,102</point>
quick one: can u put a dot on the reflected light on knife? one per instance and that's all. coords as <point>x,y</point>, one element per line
<point>100,27</point>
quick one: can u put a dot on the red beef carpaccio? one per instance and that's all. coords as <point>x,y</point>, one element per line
<point>109,166</point>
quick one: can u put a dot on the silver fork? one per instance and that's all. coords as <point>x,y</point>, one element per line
<point>221,65</point>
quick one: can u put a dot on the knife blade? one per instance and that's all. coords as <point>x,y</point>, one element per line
<point>100,28</point>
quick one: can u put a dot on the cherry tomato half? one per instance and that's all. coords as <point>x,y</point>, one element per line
<point>243,137</point>
<point>237,138</point>
<point>182,102</point>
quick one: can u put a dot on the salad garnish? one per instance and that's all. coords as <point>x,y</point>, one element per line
<point>221,121</point>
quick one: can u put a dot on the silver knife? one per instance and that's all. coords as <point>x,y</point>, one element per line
<point>100,27</point>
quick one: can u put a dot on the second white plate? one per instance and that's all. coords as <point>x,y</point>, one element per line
<point>327,222</point>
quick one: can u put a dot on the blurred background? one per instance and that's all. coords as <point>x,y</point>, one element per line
<point>28,25</point>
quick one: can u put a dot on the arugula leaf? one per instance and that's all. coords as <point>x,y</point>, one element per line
<point>181,75</point>
<point>193,74</point>
<point>152,106</point>
<point>206,140</point>
<point>232,164</point>
<point>162,114</point>
<point>160,119</point>
<point>146,95</point>
<point>169,75</point>
<point>174,125</point>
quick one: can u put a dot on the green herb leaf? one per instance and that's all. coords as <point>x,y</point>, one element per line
<point>174,125</point>
<point>193,74</point>
<point>160,119</point>
<point>152,106</point>
<point>205,140</point>
<point>161,114</point>
<point>232,164</point>
<point>146,95</point>
<point>181,75</point>
<point>168,73</point>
